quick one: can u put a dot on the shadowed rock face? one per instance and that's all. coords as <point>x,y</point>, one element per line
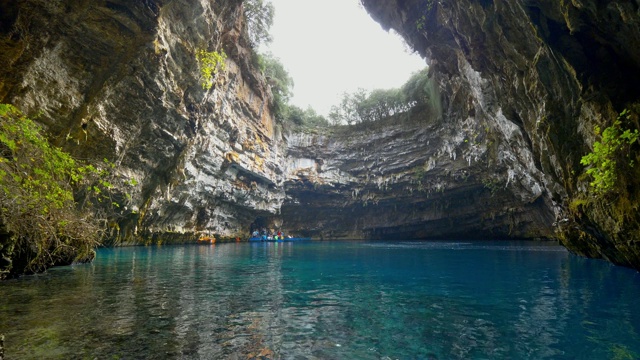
<point>550,71</point>
<point>521,86</point>
<point>413,176</point>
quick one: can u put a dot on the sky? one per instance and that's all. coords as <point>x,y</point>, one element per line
<point>332,46</point>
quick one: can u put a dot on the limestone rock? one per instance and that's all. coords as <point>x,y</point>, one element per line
<point>541,74</point>
<point>119,80</point>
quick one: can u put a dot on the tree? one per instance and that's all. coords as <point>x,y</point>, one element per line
<point>422,91</point>
<point>348,108</point>
<point>360,106</point>
<point>280,81</point>
<point>281,85</point>
<point>308,117</point>
<point>416,90</point>
<point>259,15</point>
<point>296,115</point>
<point>386,103</point>
<point>335,117</point>
<point>312,118</point>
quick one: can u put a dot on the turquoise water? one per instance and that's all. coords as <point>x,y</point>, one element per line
<point>327,300</point>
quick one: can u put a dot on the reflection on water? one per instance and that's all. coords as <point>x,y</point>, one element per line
<point>327,300</point>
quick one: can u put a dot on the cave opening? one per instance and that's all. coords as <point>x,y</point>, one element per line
<point>259,224</point>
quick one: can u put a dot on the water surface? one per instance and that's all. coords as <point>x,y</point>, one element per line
<point>327,300</point>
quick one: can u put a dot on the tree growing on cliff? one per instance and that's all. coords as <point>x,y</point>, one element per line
<point>419,92</point>
<point>281,85</point>
<point>280,82</point>
<point>259,15</point>
<point>53,209</point>
<point>308,117</point>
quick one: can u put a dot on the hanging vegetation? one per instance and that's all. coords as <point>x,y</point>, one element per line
<point>40,225</point>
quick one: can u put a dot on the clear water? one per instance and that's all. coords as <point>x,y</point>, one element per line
<point>327,300</point>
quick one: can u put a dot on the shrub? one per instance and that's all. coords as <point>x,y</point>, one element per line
<point>610,155</point>
<point>39,223</point>
<point>210,63</point>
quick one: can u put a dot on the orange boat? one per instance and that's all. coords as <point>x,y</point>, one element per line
<point>206,240</point>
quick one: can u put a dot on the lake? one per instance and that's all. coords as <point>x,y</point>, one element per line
<point>327,300</point>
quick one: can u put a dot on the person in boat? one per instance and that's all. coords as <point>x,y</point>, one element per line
<point>279,234</point>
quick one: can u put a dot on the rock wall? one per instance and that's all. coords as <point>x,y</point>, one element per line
<point>413,176</point>
<point>542,74</point>
<point>119,80</point>
<point>521,86</point>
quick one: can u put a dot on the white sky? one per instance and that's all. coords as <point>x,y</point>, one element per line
<point>332,46</point>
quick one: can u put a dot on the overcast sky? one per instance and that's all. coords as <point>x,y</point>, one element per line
<point>332,46</point>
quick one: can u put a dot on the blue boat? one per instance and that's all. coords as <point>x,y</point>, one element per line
<point>258,238</point>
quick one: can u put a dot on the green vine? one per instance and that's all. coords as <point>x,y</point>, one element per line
<point>211,62</point>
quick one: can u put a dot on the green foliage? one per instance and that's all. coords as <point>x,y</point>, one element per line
<point>419,173</point>
<point>493,185</point>
<point>259,15</point>
<point>419,92</point>
<point>211,62</point>
<point>40,224</point>
<point>421,22</point>
<point>416,89</point>
<point>280,82</point>
<point>381,104</point>
<point>350,109</point>
<point>576,204</point>
<point>308,117</point>
<point>132,182</point>
<point>426,7</point>
<point>610,156</point>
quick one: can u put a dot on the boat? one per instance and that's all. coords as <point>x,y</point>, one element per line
<point>260,239</point>
<point>207,240</point>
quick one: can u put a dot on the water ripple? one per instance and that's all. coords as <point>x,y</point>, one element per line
<point>324,300</point>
